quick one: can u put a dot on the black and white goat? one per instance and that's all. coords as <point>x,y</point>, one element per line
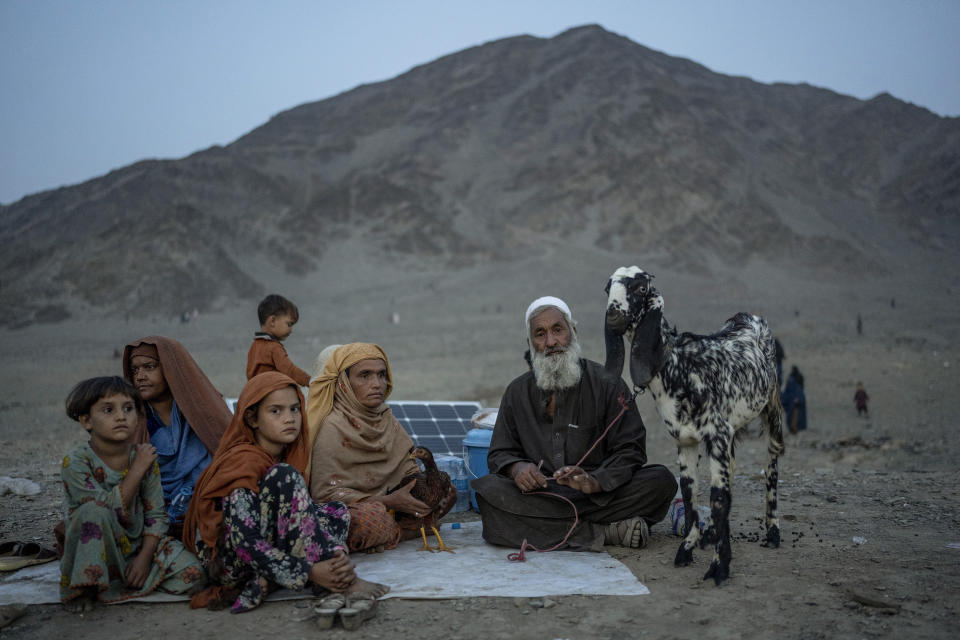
<point>706,389</point>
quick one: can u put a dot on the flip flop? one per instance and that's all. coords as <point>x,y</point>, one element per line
<point>327,609</point>
<point>358,610</point>
<point>9,553</point>
<point>17,555</point>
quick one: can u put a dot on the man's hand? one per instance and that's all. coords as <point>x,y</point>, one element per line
<point>527,476</point>
<point>577,478</point>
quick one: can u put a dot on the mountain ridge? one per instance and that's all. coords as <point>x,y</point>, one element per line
<point>586,137</point>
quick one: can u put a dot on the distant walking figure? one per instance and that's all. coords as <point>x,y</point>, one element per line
<point>860,399</point>
<point>779,354</point>
<point>859,325</point>
<point>794,401</point>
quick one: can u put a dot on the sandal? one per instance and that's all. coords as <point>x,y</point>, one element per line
<point>632,532</point>
<point>327,608</point>
<point>358,610</point>
<point>17,555</point>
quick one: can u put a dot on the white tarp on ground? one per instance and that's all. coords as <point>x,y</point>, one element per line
<point>476,569</point>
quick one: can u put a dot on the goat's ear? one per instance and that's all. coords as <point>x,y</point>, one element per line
<point>647,349</point>
<point>615,350</point>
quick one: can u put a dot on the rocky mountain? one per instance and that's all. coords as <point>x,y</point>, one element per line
<point>586,139</point>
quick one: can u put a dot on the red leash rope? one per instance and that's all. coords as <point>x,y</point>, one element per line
<point>521,556</point>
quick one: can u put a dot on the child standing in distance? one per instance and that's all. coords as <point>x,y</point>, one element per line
<point>116,547</point>
<point>277,316</point>
<point>860,399</point>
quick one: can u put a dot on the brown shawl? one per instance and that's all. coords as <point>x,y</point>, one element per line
<point>201,404</point>
<point>239,462</point>
<point>358,452</point>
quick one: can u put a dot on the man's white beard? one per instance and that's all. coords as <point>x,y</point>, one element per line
<point>559,371</point>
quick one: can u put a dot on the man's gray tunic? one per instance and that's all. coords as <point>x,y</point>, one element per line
<point>524,432</point>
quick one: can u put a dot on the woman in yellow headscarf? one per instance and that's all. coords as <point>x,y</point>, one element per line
<point>360,451</point>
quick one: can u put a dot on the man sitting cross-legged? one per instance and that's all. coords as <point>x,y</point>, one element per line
<point>548,419</point>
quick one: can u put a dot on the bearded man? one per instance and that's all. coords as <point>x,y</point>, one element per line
<point>549,419</point>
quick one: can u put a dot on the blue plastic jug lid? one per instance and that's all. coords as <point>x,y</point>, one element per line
<point>478,437</point>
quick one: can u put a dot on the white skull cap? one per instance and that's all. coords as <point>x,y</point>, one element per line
<point>547,301</point>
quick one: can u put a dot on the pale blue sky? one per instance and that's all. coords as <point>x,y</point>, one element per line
<point>91,86</point>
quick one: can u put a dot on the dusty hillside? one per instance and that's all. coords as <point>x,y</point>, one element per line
<point>586,140</point>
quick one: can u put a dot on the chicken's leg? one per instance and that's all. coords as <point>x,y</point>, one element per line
<point>441,545</point>
<point>426,546</point>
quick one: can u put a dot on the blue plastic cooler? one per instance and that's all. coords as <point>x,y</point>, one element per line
<point>475,448</point>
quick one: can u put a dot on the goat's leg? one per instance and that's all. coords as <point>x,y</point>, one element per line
<point>719,448</point>
<point>772,417</point>
<point>687,455</point>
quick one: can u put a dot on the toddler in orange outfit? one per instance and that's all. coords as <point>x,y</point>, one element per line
<point>277,316</point>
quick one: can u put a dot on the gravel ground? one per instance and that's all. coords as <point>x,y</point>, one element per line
<point>869,507</point>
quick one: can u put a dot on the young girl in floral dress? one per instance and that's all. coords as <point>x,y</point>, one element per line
<point>116,545</point>
<point>251,519</point>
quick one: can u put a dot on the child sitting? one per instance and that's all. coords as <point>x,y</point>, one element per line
<point>277,316</point>
<point>116,545</point>
<point>251,519</point>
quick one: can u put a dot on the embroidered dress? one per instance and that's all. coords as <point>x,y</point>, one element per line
<point>371,526</point>
<point>272,537</point>
<point>102,536</point>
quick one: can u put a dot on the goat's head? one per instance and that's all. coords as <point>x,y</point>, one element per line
<point>634,309</point>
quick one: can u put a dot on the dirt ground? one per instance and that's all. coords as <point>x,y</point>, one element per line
<point>891,479</point>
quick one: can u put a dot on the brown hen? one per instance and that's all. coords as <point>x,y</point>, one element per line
<point>433,487</point>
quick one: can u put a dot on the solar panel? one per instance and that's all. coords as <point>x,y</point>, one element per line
<point>438,426</point>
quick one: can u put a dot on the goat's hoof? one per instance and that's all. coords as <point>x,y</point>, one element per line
<point>718,572</point>
<point>773,538</point>
<point>684,556</point>
<point>709,537</point>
